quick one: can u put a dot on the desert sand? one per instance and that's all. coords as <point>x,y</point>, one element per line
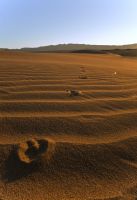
<point>68,127</point>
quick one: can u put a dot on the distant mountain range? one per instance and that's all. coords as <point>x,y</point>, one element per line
<point>124,50</point>
<point>76,47</point>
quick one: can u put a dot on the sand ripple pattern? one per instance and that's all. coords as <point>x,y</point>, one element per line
<point>88,110</point>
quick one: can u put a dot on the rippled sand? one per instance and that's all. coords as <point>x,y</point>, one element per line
<point>93,153</point>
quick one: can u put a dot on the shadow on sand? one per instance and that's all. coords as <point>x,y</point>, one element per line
<point>16,169</point>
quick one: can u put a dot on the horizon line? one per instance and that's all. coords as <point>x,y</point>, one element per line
<point>57,44</point>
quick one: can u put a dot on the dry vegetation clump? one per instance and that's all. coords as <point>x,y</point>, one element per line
<point>83,77</point>
<point>74,92</point>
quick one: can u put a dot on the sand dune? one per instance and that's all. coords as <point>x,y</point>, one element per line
<point>54,145</point>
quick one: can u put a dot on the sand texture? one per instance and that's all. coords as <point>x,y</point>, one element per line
<point>68,127</point>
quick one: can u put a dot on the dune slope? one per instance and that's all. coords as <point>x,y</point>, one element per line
<point>68,127</point>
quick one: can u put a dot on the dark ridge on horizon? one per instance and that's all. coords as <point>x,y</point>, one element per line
<point>73,47</point>
<point>122,50</point>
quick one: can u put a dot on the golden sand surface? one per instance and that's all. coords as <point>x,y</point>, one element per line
<point>68,127</point>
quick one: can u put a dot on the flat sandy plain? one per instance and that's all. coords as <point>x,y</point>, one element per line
<point>92,137</point>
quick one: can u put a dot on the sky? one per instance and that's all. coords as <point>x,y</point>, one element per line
<point>32,23</point>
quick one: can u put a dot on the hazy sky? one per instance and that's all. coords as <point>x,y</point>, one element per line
<point>42,22</point>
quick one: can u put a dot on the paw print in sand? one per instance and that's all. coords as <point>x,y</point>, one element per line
<point>35,149</point>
